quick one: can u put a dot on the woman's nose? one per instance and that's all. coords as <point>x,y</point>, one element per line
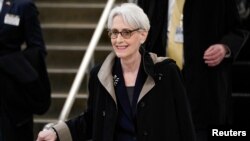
<point>119,38</point>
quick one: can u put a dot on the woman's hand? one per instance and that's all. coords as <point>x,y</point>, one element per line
<point>47,135</point>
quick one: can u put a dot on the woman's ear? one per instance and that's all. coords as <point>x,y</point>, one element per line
<point>144,35</point>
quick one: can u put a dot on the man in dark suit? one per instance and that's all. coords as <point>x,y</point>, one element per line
<point>213,38</point>
<point>24,83</point>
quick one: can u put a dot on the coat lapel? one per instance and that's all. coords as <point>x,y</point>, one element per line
<point>105,75</point>
<point>140,80</point>
<point>121,90</point>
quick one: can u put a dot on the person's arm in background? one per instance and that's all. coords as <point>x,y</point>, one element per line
<point>32,29</point>
<point>35,53</point>
<point>231,43</point>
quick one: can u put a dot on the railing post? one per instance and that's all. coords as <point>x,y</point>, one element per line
<point>85,62</point>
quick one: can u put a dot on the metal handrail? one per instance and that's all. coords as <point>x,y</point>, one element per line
<point>85,61</point>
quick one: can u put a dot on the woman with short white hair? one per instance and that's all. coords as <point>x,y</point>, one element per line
<point>133,95</point>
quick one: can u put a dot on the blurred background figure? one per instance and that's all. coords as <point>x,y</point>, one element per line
<point>240,73</point>
<point>213,38</point>
<point>211,34</point>
<point>157,12</point>
<point>24,83</point>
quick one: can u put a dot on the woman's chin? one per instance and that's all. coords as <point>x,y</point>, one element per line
<point>121,55</point>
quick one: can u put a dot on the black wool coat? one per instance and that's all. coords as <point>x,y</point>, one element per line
<point>162,109</point>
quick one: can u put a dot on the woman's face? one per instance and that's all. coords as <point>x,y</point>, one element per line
<point>125,46</point>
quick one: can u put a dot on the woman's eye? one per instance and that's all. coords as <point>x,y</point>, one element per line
<point>125,32</point>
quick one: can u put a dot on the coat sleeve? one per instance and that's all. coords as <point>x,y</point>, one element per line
<point>31,26</point>
<point>237,36</point>
<point>80,127</point>
<point>27,70</point>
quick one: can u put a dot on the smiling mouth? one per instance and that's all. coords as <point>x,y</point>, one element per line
<point>121,47</point>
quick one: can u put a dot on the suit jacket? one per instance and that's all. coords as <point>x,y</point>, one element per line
<point>208,22</point>
<point>24,83</point>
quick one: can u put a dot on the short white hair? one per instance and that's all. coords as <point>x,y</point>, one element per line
<point>132,15</point>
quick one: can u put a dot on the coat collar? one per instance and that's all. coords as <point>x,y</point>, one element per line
<point>105,75</point>
<point>107,80</point>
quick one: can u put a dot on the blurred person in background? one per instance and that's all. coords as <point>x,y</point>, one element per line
<point>213,35</point>
<point>24,83</point>
<point>157,12</point>
<point>213,38</point>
